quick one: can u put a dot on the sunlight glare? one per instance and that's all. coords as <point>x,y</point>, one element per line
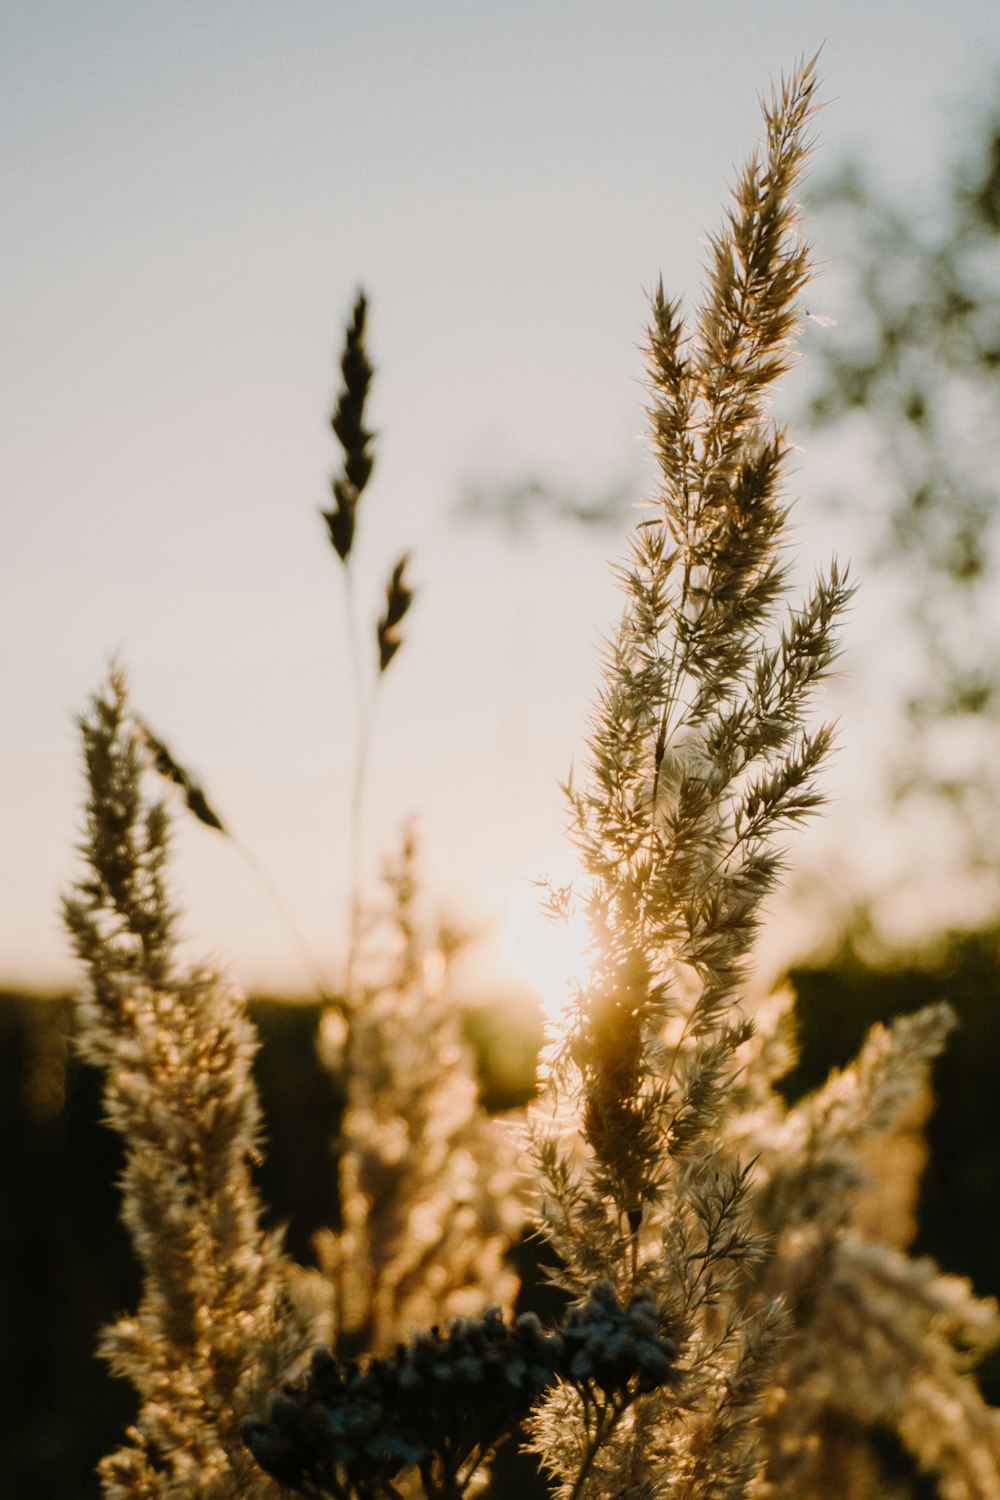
<point>549,955</point>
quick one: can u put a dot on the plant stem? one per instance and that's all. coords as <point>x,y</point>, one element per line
<point>365,707</point>
<point>319,979</point>
<point>606,1423</point>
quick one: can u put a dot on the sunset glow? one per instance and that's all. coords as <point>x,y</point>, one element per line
<point>551,956</point>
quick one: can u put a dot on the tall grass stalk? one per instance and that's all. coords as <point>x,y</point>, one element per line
<point>666,1160</point>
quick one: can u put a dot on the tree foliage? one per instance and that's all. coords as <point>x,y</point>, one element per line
<point>913,370</point>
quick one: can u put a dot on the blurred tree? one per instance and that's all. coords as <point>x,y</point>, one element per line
<point>518,503</point>
<point>913,372</point>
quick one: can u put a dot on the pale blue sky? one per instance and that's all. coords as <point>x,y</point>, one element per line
<point>192,193</point>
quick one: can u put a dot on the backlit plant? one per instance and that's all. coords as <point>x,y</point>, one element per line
<point>742,1314</point>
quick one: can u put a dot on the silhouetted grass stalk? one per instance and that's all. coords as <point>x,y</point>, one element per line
<point>356,440</point>
<point>364,710</point>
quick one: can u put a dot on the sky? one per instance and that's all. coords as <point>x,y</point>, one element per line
<point>192,194</point>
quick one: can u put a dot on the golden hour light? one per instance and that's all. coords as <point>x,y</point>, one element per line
<point>548,1119</point>
<point>550,954</point>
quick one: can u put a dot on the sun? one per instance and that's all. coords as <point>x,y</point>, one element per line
<point>550,956</point>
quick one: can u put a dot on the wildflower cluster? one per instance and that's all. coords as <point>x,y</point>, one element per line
<point>443,1402</point>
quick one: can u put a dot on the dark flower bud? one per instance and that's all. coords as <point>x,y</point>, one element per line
<point>449,1398</point>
